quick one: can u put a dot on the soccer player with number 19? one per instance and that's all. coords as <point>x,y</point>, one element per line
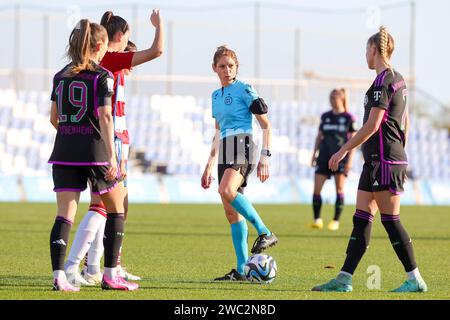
<point>84,150</point>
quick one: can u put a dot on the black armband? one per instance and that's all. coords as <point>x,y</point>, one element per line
<point>259,106</point>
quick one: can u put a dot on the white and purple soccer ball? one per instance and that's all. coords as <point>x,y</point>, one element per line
<point>261,268</point>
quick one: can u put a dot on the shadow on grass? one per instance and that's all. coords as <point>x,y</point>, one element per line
<point>214,285</point>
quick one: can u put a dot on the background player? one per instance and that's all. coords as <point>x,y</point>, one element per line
<point>232,108</point>
<point>383,138</point>
<point>337,126</point>
<point>84,150</point>
<point>116,61</point>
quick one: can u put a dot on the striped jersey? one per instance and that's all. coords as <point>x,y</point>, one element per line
<point>116,62</point>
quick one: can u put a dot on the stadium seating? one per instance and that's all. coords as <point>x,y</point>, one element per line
<point>173,135</point>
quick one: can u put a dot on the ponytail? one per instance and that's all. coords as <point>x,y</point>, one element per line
<point>82,42</point>
<point>384,43</point>
<point>114,24</point>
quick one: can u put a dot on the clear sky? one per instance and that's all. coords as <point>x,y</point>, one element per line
<point>332,43</point>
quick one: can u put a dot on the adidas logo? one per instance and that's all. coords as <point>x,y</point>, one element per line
<point>375,183</point>
<point>60,242</point>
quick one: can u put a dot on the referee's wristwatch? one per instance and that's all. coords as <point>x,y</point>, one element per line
<point>265,152</point>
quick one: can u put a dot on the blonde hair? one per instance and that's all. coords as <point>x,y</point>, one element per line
<point>384,43</point>
<point>344,94</point>
<point>82,42</point>
<point>225,51</point>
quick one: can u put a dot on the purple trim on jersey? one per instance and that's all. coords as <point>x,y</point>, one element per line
<point>79,163</point>
<point>109,72</point>
<point>68,190</point>
<point>105,190</point>
<point>395,162</point>
<point>363,215</point>
<point>95,97</point>
<point>380,78</point>
<point>395,192</point>
<point>390,217</point>
<point>59,218</point>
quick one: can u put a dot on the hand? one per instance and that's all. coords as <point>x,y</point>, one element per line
<point>206,179</point>
<point>123,169</point>
<point>333,164</point>
<point>263,169</point>
<point>155,18</point>
<point>112,170</point>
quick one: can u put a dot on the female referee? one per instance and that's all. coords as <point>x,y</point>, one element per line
<point>116,61</point>
<point>383,138</point>
<point>232,108</point>
<point>84,150</point>
<point>337,126</point>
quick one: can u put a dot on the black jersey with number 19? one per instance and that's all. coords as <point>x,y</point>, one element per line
<point>78,140</point>
<point>387,92</point>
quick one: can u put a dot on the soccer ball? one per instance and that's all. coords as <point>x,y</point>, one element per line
<point>261,268</point>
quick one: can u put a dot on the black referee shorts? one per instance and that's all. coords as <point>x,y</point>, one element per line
<point>237,152</point>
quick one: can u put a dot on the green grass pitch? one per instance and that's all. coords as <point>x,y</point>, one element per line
<point>178,249</point>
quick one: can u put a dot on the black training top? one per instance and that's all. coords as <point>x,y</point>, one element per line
<point>336,129</point>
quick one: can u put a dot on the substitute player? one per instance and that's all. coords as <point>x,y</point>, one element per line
<point>84,150</point>
<point>117,61</point>
<point>337,126</point>
<point>383,138</point>
<point>232,108</point>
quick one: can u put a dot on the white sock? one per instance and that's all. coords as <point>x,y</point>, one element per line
<point>59,275</point>
<point>415,274</point>
<point>85,235</point>
<point>94,269</point>
<point>111,273</point>
<point>317,220</point>
<point>95,252</point>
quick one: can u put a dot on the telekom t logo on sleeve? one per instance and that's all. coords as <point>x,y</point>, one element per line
<point>377,95</point>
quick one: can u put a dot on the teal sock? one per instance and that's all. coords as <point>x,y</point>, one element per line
<point>239,233</point>
<point>245,208</point>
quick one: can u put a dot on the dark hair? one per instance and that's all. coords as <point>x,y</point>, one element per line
<point>114,24</point>
<point>82,41</point>
<point>130,46</point>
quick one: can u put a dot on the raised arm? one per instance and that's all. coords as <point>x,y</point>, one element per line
<point>157,47</point>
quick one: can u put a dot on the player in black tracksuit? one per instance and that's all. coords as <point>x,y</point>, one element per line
<point>383,137</point>
<point>337,126</point>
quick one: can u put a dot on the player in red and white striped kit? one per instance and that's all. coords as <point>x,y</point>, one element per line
<point>89,237</point>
